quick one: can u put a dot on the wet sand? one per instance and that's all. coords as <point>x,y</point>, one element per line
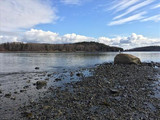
<point>106,91</point>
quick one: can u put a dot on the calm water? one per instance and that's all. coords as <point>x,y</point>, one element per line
<point>26,62</point>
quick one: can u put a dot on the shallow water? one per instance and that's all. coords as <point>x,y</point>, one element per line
<point>26,62</point>
<point>23,89</point>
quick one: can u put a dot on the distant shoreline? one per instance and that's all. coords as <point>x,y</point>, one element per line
<point>70,52</point>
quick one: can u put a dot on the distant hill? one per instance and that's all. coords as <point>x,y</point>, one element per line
<point>81,46</point>
<point>147,48</point>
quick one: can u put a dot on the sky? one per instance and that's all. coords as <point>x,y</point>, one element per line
<point>121,23</point>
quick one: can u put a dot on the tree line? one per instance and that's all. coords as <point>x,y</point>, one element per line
<point>81,46</point>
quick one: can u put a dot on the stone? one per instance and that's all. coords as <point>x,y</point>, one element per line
<point>40,84</point>
<point>47,107</point>
<point>22,90</point>
<point>27,114</point>
<point>27,86</point>
<point>78,74</point>
<point>8,95</point>
<point>46,78</point>
<point>57,79</point>
<point>126,59</point>
<point>37,68</point>
<point>113,90</point>
<point>13,98</point>
<point>49,75</point>
<point>28,81</point>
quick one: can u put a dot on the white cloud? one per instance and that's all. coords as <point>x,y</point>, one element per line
<point>155,18</point>
<point>40,36</point>
<point>71,38</point>
<point>157,6</point>
<point>19,14</point>
<point>128,19</point>
<point>126,4</point>
<point>124,8</point>
<point>133,8</point>
<point>130,42</point>
<point>4,39</point>
<point>117,4</point>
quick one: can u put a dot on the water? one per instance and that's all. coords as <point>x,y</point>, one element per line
<point>26,62</point>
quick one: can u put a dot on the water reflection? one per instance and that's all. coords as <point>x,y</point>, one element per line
<point>26,62</point>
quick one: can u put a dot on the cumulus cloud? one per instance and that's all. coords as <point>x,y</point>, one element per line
<point>4,39</point>
<point>19,14</point>
<point>71,38</point>
<point>40,36</point>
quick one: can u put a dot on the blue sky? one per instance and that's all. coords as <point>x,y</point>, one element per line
<point>123,23</point>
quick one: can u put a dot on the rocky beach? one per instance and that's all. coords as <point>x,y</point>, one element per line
<point>106,91</point>
<point>79,60</point>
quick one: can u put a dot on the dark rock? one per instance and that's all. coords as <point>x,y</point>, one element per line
<point>27,86</point>
<point>22,90</point>
<point>126,59</point>
<point>37,68</point>
<point>150,79</point>
<point>15,92</point>
<point>34,84</point>
<point>78,74</point>
<point>113,90</point>
<point>49,75</point>
<point>7,95</point>
<point>27,114</point>
<point>57,79</point>
<point>47,79</point>
<point>41,83</point>
<point>71,74</point>
<point>13,98</point>
<point>0,91</point>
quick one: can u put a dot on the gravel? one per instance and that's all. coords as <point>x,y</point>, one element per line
<point>113,92</point>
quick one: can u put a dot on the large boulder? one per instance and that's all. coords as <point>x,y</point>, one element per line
<point>126,59</point>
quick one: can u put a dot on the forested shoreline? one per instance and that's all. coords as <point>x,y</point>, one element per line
<point>82,46</point>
